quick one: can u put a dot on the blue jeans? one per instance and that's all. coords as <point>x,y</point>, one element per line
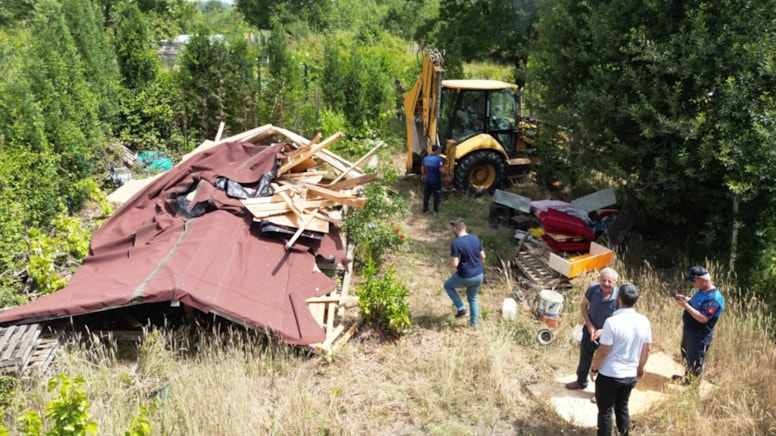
<point>472,285</point>
<point>613,393</point>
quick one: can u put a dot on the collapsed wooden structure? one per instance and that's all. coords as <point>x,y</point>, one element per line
<point>310,190</point>
<point>313,188</point>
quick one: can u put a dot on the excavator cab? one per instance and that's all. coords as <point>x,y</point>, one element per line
<point>477,123</point>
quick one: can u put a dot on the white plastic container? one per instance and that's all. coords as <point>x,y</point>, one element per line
<point>509,308</point>
<point>550,303</point>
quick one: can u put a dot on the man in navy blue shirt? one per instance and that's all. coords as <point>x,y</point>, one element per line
<point>466,258</point>
<point>431,173</point>
<point>598,304</point>
<point>701,312</point>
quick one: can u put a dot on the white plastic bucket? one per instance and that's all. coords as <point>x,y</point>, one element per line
<point>550,303</point>
<point>509,308</point>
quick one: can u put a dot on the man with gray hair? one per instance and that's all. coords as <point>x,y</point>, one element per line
<point>598,304</point>
<point>701,312</point>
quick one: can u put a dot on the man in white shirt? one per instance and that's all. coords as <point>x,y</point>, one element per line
<point>619,362</point>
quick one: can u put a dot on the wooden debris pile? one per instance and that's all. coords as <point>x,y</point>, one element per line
<point>312,189</point>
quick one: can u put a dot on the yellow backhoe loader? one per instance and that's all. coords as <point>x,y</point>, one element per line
<point>478,124</point>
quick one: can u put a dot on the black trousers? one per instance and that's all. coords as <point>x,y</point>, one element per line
<point>429,189</point>
<point>613,393</point>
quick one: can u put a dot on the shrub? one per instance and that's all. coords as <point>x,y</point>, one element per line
<point>66,413</point>
<point>366,226</point>
<point>383,301</point>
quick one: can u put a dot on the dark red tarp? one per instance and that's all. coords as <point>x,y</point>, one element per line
<point>218,262</point>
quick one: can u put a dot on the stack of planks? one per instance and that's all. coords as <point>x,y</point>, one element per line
<point>26,347</point>
<point>312,185</point>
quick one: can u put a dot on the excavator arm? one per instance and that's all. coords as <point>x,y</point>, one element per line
<point>421,109</point>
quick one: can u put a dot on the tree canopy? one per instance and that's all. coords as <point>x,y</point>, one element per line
<point>674,102</point>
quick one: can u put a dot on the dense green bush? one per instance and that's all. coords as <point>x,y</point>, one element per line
<point>383,301</point>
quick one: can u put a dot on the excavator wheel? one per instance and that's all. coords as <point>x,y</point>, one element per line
<point>480,172</point>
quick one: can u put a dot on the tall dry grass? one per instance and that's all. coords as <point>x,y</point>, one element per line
<point>442,378</point>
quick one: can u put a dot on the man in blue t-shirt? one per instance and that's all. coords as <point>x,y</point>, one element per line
<point>466,258</point>
<point>598,304</point>
<point>701,313</point>
<point>431,174</point>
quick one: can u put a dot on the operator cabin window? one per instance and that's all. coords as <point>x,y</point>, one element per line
<point>503,111</point>
<point>472,112</point>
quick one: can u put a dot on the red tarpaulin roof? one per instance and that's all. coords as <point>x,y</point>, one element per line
<point>217,262</point>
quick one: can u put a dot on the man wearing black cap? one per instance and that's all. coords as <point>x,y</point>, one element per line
<point>701,313</point>
<point>431,173</point>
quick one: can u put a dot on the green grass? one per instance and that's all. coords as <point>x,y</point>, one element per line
<point>441,378</point>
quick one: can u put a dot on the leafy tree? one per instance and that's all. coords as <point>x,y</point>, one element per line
<point>402,18</point>
<point>69,107</point>
<point>202,66</point>
<point>283,96</point>
<point>12,10</point>
<point>333,85</point>
<point>261,13</point>
<point>495,30</point>
<point>137,63</point>
<point>674,101</point>
<point>166,18</point>
<point>96,52</point>
<point>240,96</point>
<point>152,117</point>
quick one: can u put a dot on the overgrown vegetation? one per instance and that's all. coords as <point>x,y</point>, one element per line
<point>677,116</point>
<point>409,386</point>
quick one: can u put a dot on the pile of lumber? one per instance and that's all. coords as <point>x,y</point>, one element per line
<point>312,185</point>
<point>313,188</point>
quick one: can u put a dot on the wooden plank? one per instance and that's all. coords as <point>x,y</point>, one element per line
<point>301,228</point>
<point>335,298</point>
<point>7,333</point>
<point>355,181</point>
<point>347,335</point>
<point>28,343</point>
<point>332,336</point>
<point>334,195</point>
<point>14,363</point>
<point>318,311</point>
<point>260,214</point>
<point>220,131</point>
<point>13,343</point>
<point>357,163</point>
<point>260,133</point>
<point>346,278</point>
<point>308,152</point>
<point>304,177</point>
<point>330,158</point>
<point>291,205</point>
<point>330,331</point>
<point>44,354</point>
<point>290,220</point>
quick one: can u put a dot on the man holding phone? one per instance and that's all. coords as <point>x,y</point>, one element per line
<point>701,313</point>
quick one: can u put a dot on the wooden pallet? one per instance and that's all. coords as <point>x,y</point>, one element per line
<point>533,268</point>
<point>25,347</point>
